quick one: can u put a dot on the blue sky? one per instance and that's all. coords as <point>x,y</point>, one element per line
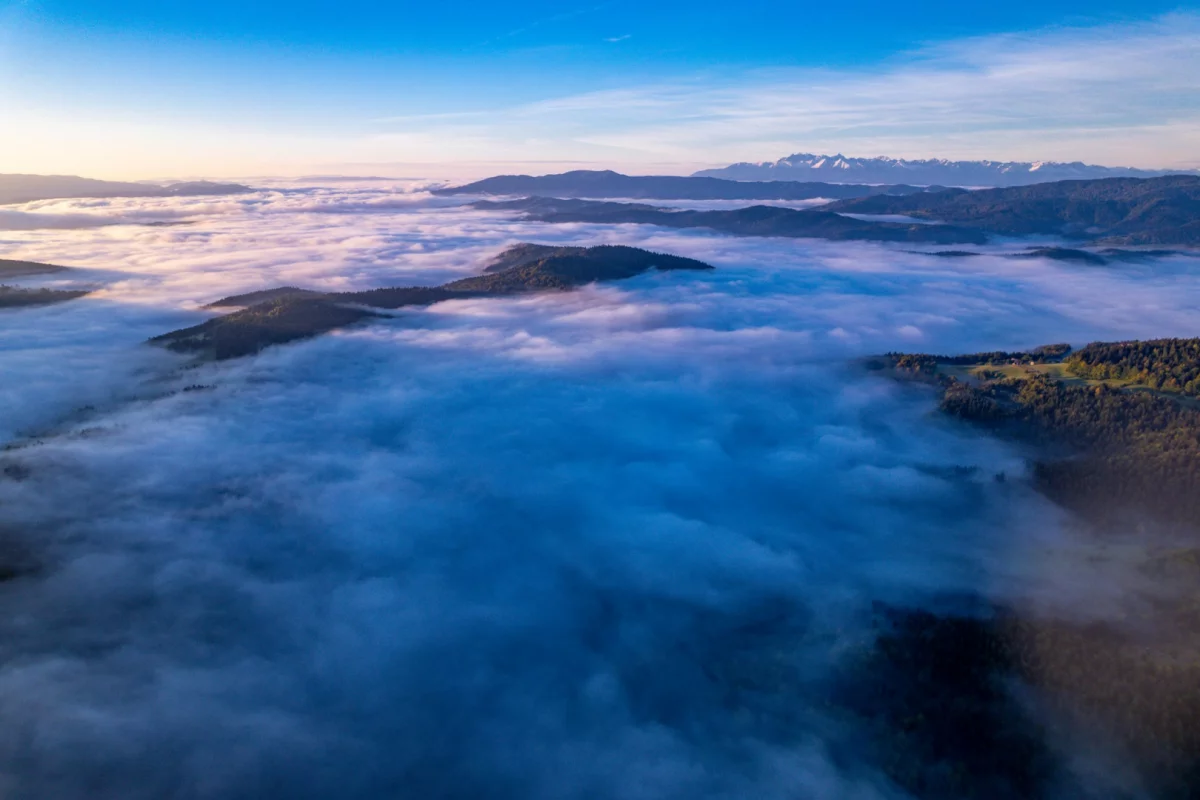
<point>234,87</point>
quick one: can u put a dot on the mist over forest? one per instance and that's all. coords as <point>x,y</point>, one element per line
<point>638,538</point>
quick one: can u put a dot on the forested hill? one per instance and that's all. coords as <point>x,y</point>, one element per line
<point>1127,461</point>
<point>18,297</point>
<point>608,184</point>
<point>1121,407</point>
<point>15,297</point>
<point>1171,365</point>
<point>1127,211</point>
<point>753,221</point>
<point>285,314</point>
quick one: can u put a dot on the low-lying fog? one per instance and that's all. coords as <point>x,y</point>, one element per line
<point>494,548</point>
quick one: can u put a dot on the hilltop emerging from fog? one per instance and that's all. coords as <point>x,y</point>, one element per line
<point>288,313</point>
<point>924,172</point>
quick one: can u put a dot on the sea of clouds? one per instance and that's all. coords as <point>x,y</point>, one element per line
<point>606,543</point>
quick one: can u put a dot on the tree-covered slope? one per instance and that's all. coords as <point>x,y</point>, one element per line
<point>1171,365</point>
<point>1127,462</point>
<point>20,297</point>
<point>752,221</point>
<point>1127,211</point>
<point>15,297</point>
<point>1129,450</point>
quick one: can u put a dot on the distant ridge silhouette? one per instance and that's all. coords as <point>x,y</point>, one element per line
<point>881,169</point>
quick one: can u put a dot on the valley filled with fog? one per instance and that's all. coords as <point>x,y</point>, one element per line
<point>612,542</point>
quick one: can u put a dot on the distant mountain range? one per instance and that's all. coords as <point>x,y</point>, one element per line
<point>844,169</point>
<point>753,221</point>
<point>27,188</point>
<point>606,184</point>
<point>1111,211</point>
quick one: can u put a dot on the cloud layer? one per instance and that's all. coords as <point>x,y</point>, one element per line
<point>606,543</point>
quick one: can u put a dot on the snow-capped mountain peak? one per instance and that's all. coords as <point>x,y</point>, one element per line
<point>935,171</point>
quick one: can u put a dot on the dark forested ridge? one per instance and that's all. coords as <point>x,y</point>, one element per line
<point>605,183</point>
<point>1110,211</point>
<point>752,221</point>
<point>15,297</point>
<point>273,322</point>
<point>1063,254</point>
<point>943,725</point>
<point>1097,257</point>
<point>1127,461</point>
<point>1128,211</point>
<point>18,297</point>
<point>266,295</point>
<point>284,314</point>
<point>946,695</point>
<point>566,267</point>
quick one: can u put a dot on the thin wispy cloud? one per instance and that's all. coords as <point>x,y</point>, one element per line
<point>550,20</point>
<point>1117,94</point>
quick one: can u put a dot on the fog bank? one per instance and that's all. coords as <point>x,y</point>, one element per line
<point>610,543</point>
